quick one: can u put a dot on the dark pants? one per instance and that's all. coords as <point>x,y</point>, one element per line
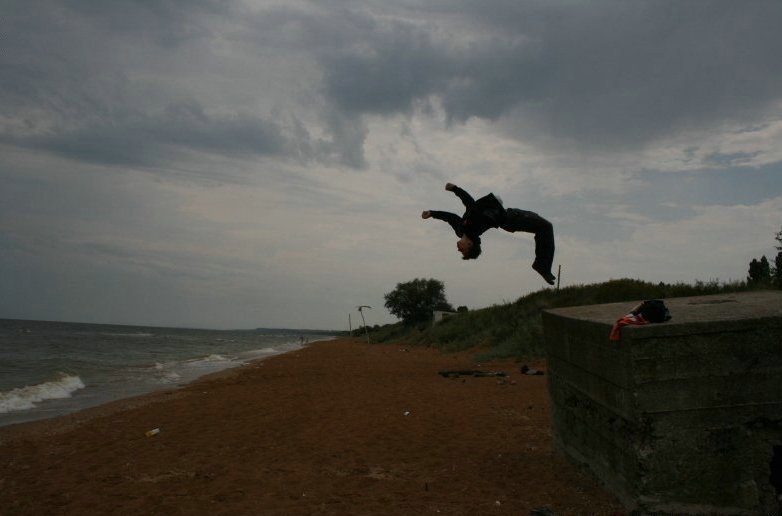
<point>531,222</point>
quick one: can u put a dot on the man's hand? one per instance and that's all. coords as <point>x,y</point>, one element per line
<point>427,214</point>
<point>450,186</point>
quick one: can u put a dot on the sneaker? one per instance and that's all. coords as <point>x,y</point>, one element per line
<point>546,274</point>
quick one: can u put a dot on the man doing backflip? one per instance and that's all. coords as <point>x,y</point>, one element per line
<point>488,212</point>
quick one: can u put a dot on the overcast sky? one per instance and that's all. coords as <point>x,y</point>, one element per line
<point>241,164</point>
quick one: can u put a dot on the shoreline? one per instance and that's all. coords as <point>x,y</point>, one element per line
<point>336,427</point>
<point>38,413</point>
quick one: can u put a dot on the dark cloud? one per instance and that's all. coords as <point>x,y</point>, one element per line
<point>167,23</point>
<point>734,159</point>
<point>139,138</point>
<point>70,87</point>
<point>600,73</point>
<point>90,79</point>
<point>399,65</point>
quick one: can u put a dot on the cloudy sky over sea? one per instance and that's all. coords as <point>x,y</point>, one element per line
<point>234,164</point>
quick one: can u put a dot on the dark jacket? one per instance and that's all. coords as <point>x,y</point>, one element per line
<point>481,215</point>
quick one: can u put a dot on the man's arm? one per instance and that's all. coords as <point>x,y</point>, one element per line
<point>454,220</point>
<point>466,198</point>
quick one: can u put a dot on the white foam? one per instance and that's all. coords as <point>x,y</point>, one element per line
<point>25,398</point>
<point>170,377</point>
<point>261,353</point>
<point>137,334</point>
<point>211,359</point>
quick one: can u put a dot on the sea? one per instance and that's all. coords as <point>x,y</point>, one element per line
<point>48,369</point>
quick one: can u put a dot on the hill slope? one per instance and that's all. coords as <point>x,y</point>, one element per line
<point>515,330</point>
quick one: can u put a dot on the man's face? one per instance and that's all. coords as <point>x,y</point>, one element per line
<point>464,245</point>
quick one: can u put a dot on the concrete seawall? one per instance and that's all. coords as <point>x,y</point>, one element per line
<point>683,416</point>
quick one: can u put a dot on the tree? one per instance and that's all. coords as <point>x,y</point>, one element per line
<point>778,270</point>
<point>414,301</point>
<point>759,272</point>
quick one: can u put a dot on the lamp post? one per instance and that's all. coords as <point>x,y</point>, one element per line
<point>361,311</point>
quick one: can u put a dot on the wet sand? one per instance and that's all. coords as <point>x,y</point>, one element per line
<point>340,427</point>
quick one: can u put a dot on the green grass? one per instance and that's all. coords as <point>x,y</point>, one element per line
<point>515,329</point>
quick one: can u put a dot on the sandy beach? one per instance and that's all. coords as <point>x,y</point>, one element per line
<point>340,427</point>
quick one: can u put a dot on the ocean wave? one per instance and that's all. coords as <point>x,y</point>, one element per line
<point>25,398</point>
<point>210,359</point>
<point>182,371</point>
<point>136,334</point>
<point>164,375</point>
<point>263,352</point>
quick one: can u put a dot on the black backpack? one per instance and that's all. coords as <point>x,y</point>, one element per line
<point>653,310</point>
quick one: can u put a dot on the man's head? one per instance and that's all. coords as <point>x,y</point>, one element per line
<point>469,247</point>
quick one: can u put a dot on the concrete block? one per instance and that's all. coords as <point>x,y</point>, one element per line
<point>683,416</point>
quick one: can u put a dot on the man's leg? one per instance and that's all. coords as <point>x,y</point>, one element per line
<point>531,222</point>
<point>544,250</point>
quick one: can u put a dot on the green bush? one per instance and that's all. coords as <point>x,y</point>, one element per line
<point>515,329</point>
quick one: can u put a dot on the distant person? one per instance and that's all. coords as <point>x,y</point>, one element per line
<point>488,212</point>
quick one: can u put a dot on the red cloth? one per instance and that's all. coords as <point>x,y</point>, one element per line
<point>631,318</point>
